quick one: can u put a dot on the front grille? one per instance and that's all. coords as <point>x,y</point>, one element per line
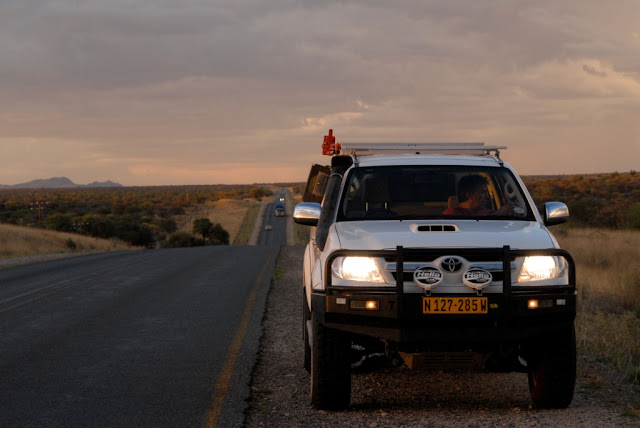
<point>408,276</point>
<point>410,264</point>
<point>469,257</point>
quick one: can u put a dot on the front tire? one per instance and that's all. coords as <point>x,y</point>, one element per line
<point>552,370</point>
<point>330,367</point>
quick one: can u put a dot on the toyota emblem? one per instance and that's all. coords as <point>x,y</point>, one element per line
<point>451,264</point>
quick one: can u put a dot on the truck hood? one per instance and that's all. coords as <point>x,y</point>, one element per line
<point>368,235</point>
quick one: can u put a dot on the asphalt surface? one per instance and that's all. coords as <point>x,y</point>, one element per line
<point>275,236</point>
<point>140,338</point>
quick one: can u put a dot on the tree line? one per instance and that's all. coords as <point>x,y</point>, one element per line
<point>145,216</point>
<point>142,216</point>
<point>610,200</point>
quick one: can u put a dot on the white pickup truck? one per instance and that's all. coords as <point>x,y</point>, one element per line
<point>436,256</point>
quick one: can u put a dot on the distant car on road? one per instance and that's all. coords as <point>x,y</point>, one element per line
<point>267,227</point>
<point>279,210</point>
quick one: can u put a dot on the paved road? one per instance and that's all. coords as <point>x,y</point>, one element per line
<point>275,236</point>
<point>144,338</point>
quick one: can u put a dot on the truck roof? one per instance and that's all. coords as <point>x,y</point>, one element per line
<point>413,159</point>
<point>453,153</point>
<point>364,149</point>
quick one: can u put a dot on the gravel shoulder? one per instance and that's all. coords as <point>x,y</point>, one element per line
<point>39,258</point>
<point>402,397</point>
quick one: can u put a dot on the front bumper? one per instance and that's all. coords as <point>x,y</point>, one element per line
<point>399,317</point>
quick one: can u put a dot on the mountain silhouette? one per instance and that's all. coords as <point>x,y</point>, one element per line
<point>57,182</point>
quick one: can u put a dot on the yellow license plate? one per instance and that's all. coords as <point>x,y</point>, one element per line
<point>455,305</point>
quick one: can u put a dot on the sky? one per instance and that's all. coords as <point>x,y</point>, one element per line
<point>163,92</point>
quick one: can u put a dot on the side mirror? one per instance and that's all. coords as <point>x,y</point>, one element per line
<point>555,213</point>
<point>307,213</point>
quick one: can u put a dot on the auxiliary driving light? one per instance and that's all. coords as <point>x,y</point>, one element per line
<point>535,303</point>
<point>369,305</point>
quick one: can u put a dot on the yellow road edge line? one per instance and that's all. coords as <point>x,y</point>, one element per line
<point>219,394</point>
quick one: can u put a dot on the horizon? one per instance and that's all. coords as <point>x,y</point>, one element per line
<point>148,94</point>
<point>260,183</point>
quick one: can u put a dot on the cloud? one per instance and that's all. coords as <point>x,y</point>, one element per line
<point>248,85</point>
<point>593,71</point>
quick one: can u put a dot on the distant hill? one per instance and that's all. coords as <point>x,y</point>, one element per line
<point>58,182</point>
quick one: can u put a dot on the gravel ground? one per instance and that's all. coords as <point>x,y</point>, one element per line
<point>406,398</point>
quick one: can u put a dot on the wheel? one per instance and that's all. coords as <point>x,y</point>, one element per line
<point>552,370</point>
<point>330,367</point>
<point>306,316</point>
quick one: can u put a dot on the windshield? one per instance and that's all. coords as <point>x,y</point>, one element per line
<point>432,192</point>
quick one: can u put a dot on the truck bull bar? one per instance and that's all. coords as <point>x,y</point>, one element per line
<point>401,254</point>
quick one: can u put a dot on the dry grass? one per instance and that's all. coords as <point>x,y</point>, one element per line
<point>17,241</point>
<point>608,265</point>
<point>300,232</point>
<point>246,228</point>
<point>230,213</point>
<point>608,277</point>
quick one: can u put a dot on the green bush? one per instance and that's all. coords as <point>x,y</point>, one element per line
<point>219,236</point>
<point>202,226</point>
<point>214,233</point>
<point>182,240</point>
<point>632,218</point>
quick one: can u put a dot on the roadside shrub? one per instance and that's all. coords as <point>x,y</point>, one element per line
<point>214,233</point>
<point>202,226</point>
<point>71,244</point>
<point>182,240</point>
<point>142,236</point>
<point>59,222</point>
<point>100,227</point>
<point>632,218</point>
<point>167,225</point>
<point>218,235</point>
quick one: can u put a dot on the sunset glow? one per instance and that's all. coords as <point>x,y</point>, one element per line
<point>233,92</point>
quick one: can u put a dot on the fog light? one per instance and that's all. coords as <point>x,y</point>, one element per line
<point>536,304</point>
<point>370,305</point>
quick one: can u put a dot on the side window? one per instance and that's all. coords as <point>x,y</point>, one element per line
<point>354,201</point>
<point>495,201</point>
<point>510,194</point>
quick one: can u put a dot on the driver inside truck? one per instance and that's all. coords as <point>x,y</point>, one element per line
<point>473,196</point>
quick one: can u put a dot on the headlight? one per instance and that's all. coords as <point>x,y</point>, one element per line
<point>540,268</point>
<point>356,269</point>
